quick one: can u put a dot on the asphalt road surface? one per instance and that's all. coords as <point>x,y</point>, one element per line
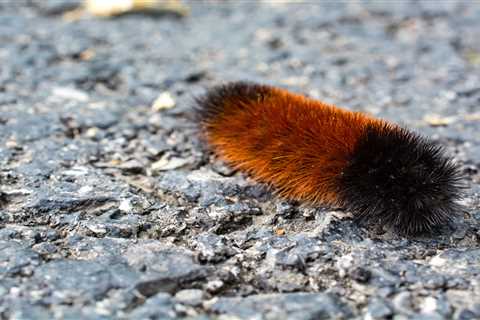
<point>110,207</point>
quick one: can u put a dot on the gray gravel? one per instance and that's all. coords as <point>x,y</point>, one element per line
<point>112,209</point>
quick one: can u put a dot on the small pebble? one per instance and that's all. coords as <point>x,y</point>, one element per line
<point>192,297</point>
<point>164,101</point>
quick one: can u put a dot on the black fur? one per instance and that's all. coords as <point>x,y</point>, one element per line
<point>213,102</point>
<point>400,180</point>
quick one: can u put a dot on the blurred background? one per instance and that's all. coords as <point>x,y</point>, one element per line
<point>410,61</point>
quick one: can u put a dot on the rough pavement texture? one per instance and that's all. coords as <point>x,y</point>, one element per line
<point>113,209</point>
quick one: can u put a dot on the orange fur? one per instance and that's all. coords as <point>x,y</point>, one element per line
<point>297,145</point>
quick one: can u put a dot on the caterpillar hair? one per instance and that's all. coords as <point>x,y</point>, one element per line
<point>318,153</point>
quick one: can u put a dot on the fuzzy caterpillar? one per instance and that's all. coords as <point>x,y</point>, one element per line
<point>318,153</point>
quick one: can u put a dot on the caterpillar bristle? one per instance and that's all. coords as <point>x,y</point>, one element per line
<point>318,153</point>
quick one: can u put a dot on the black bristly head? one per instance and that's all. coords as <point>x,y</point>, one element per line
<point>400,180</point>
